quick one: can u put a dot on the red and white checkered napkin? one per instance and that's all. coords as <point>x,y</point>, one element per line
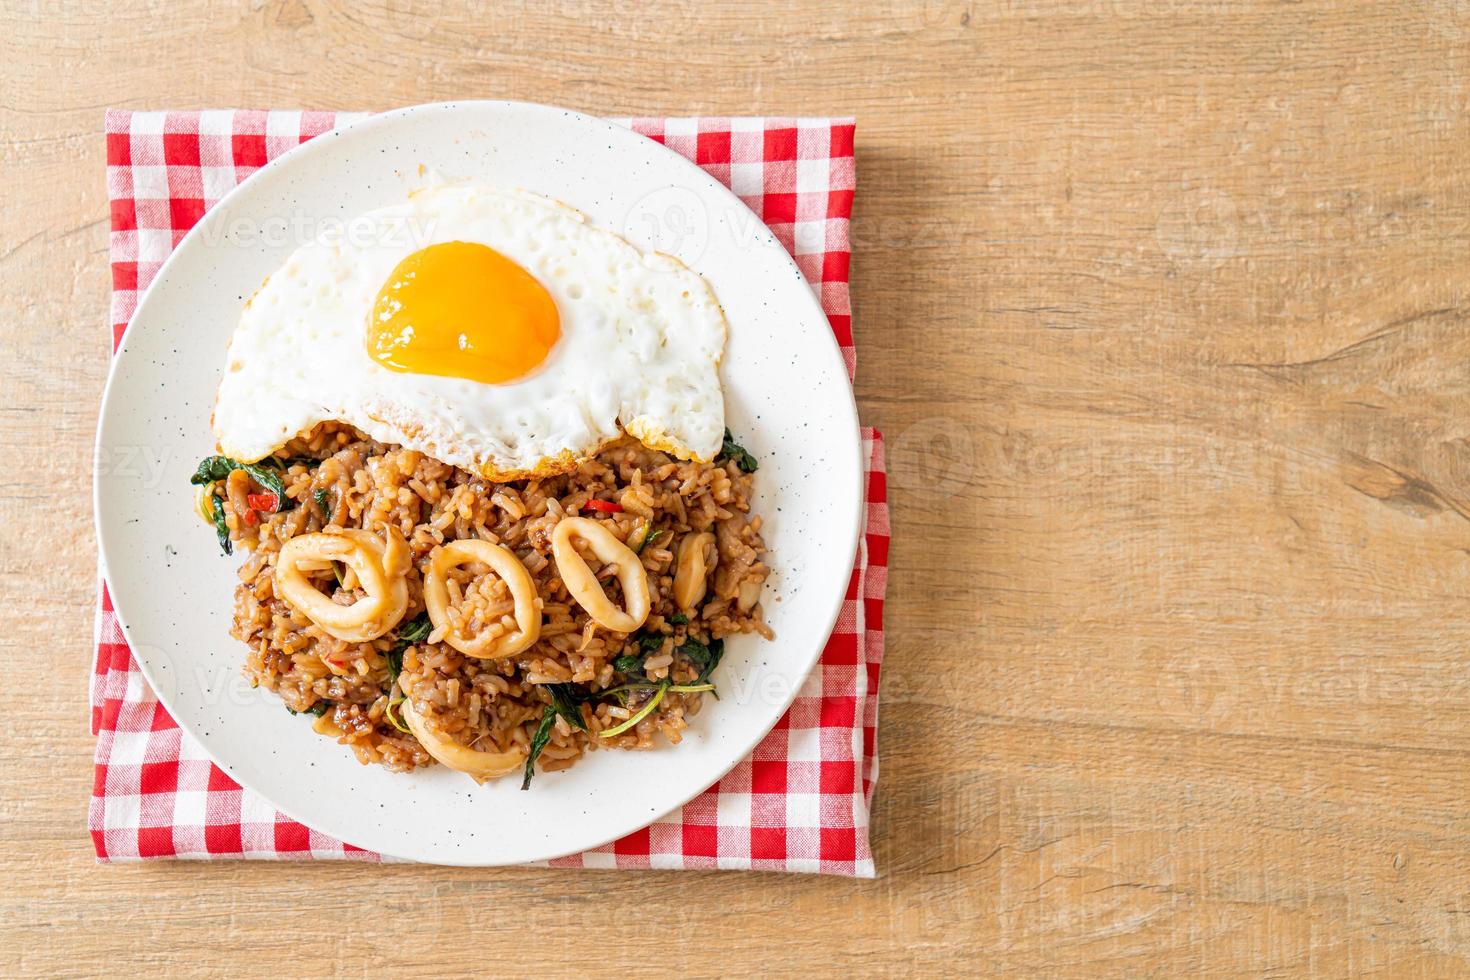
<point>799,803</point>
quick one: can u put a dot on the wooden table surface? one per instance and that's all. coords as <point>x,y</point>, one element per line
<point>1163,308</point>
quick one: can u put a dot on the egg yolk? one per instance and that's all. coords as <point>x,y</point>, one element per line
<point>462,310</point>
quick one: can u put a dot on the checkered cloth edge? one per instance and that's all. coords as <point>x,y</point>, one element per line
<point>800,802</point>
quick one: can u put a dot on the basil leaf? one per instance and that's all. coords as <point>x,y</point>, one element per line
<point>716,654</point>
<point>270,479</point>
<point>418,630</point>
<point>214,468</point>
<point>566,700</point>
<point>538,742</point>
<point>695,652</point>
<point>678,619</point>
<point>648,539</point>
<point>415,632</point>
<point>320,708</point>
<point>704,658</point>
<point>732,450</point>
<point>323,502</point>
<point>221,527</point>
<point>632,663</point>
<point>659,690</point>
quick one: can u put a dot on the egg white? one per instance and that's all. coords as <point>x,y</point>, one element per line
<point>642,338</point>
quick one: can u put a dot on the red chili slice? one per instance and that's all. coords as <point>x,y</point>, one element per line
<point>604,506</point>
<point>266,502</point>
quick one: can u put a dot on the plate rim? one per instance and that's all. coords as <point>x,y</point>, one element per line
<point>107,413</point>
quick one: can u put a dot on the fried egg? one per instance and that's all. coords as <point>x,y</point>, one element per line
<point>494,330</point>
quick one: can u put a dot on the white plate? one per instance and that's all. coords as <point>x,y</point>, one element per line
<point>787,397</point>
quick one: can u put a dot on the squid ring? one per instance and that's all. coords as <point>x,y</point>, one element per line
<point>693,568</point>
<point>502,562</point>
<point>583,585</point>
<point>380,569</point>
<point>478,765</point>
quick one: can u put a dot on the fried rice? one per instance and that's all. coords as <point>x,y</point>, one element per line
<point>337,479</point>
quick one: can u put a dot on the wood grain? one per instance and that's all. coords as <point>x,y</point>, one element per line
<point>1163,308</point>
